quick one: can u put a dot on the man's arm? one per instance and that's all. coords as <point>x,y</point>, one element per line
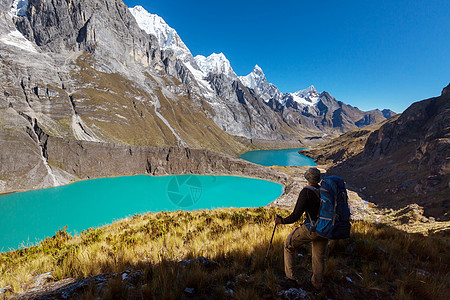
<point>298,210</point>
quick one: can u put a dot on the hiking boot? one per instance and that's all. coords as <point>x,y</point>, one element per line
<point>287,283</point>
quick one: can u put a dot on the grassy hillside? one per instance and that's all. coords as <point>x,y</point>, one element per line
<point>377,262</point>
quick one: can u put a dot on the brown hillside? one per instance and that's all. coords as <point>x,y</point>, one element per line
<point>405,160</point>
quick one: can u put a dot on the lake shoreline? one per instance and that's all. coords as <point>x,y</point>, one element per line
<point>30,217</point>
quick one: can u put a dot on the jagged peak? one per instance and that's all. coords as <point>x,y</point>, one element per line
<point>257,69</point>
<point>309,90</point>
<point>216,63</point>
<point>153,24</point>
<point>255,78</point>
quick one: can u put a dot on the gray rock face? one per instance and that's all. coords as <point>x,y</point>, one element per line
<point>90,159</point>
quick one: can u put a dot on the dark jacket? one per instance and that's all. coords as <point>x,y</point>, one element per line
<point>307,201</point>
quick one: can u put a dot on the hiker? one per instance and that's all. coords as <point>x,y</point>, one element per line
<point>309,202</point>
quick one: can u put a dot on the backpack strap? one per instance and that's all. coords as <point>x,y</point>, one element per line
<point>314,189</point>
<point>317,192</point>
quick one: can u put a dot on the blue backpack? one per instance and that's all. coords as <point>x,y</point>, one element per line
<point>334,214</point>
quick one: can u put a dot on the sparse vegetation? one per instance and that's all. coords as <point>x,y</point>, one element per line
<point>378,261</point>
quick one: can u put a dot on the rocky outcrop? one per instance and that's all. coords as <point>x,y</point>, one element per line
<point>71,288</point>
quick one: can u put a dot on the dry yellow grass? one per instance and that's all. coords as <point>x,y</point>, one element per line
<point>381,262</point>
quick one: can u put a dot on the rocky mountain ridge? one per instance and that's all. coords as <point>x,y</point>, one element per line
<point>217,64</point>
<point>86,71</point>
<point>401,161</point>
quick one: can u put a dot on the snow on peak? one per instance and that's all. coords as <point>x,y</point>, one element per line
<point>19,7</point>
<point>306,97</point>
<point>257,69</point>
<point>216,64</point>
<point>153,24</point>
<point>255,79</point>
<point>310,91</point>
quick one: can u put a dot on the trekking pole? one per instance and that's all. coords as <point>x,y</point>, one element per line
<point>271,239</point>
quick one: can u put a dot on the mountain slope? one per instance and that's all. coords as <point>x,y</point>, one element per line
<point>405,160</point>
<point>98,71</point>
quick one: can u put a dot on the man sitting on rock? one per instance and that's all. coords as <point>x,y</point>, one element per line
<point>308,202</point>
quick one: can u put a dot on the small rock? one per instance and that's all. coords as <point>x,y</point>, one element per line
<point>6,289</point>
<point>203,261</point>
<point>242,278</point>
<point>424,219</point>
<point>229,292</point>
<point>422,272</point>
<point>39,280</point>
<point>293,294</point>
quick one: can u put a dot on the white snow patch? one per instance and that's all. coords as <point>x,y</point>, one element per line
<point>16,39</point>
<point>306,97</point>
<point>200,77</point>
<point>167,37</point>
<point>19,7</point>
<point>305,101</point>
<point>252,79</point>
<point>216,64</point>
<point>255,78</point>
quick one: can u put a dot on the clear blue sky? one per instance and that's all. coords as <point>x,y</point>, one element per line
<point>370,54</point>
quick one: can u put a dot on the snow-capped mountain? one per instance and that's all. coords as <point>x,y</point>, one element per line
<point>216,81</point>
<point>308,96</point>
<point>216,64</point>
<point>167,37</point>
<point>124,76</point>
<point>257,81</point>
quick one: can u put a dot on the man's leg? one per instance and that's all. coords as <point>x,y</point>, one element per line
<point>295,239</point>
<point>319,248</point>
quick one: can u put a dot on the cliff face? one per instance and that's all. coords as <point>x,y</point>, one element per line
<point>405,160</point>
<point>70,160</point>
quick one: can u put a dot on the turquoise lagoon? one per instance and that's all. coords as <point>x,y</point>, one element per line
<point>278,157</point>
<point>27,218</point>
